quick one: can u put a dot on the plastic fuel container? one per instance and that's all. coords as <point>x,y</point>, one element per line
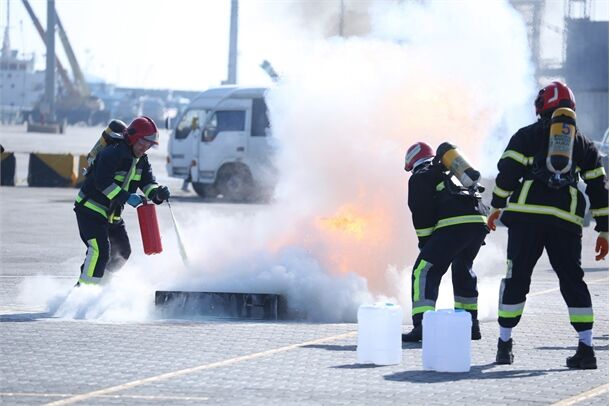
<point>446,340</point>
<point>379,334</point>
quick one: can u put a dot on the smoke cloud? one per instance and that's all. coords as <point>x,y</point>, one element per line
<point>339,232</point>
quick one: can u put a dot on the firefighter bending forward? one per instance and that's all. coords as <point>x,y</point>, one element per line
<point>451,228</point>
<point>117,172</point>
<point>545,210</point>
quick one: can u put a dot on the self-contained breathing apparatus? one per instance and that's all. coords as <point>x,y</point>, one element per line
<point>554,166</point>
<point>454,165</point>
<point>112,134</point>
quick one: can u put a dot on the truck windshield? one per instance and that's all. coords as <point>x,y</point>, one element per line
<point>193,119</point>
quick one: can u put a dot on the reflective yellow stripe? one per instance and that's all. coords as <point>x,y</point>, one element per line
<point>573,199</point>
<point>501,192</point>
<point>120,178</point>
<point>149,188</point>
<point>599,212</point>
<point>594,173</point>
<point>510,315</point>
<point>417,273</point>
<point>421,309</point>
<point>130,174</point>
<point>440,186</point>
<point>424,232</point>
<point>581,318</point>
<point>547,210</point>
<point>520,158</point>
<point>92,257</point>
<point>96,207</point>
<point>465,306</point>
<point>524,191</point>
<point>114,192</point>
<point>452,221</point>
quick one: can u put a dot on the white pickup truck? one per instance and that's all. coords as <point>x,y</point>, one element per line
<point>222,143</point>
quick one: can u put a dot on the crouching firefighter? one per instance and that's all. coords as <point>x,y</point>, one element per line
<point>118,170</point>
<point>538,175</point>
<point>449,221</point>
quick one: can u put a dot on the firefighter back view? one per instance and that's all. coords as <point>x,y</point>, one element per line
<point>118,169</point>
<point>449,222</point>
<point>538,175</point>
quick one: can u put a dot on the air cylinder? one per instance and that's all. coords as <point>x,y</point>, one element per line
<point>455,163</point>
<point>561,141</point>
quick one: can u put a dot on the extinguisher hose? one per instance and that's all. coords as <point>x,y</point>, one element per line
<point>180,243</point>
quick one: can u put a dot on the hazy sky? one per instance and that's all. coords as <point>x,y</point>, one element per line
<point>183,44</point>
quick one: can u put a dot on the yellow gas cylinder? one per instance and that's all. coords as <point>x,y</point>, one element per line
<point>455,163</point>
<point>561,141</point>
<point>113,132</point>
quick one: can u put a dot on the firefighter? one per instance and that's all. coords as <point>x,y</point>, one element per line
<point>450,226</point>
<point>117,172</point>
<point>545,210</point>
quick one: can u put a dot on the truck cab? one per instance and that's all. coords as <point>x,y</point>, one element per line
<point>222,144</point>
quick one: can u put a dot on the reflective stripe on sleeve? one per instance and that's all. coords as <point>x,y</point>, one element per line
<point>594,173</point>
<point>599,212</point>
<point>111,191</point>
<point>424,232</point>
<point>150,187</point>
<point>520,158</point>
<point>501,192</point>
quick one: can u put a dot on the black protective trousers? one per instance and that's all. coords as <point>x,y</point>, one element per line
<point>456,246</point>
<point>526,242</point>
<point>108,246</point>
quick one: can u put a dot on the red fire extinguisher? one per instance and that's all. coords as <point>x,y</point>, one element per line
<point>149,228</point>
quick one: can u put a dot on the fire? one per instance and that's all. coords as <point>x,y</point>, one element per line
<point>354,237</point>
<point>347,222</point>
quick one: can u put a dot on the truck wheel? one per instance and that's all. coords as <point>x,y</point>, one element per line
<point>201,189</point>
<point>235,184</point>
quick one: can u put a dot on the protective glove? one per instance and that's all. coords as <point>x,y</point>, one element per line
<point>493,216</point>
<point>161,194</point>
<point>134,200</point>
<point>601,246</point>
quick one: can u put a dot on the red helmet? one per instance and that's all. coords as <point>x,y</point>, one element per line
<point>417,152</point>
<point>142,128</point>
<point>553,96</point>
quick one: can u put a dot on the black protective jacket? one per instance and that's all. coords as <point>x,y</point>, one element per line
<point>116,173</point>
<point>437,202</point>
<point>522,180</point>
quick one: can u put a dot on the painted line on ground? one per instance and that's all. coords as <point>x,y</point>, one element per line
<point>544,292</point>
<point>66,395</point>
<point>600,390</point>
<point>185,371</point>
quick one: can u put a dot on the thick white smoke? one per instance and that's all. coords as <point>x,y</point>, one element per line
<point>339,231</point>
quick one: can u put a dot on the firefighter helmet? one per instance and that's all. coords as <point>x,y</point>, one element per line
<point>417,152</point>
<point>142,128</point>
<point>553,96</point>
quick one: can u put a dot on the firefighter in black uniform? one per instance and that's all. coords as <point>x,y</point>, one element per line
<point>545,211</point>
<point>450,225</point>
<point>118,170</point>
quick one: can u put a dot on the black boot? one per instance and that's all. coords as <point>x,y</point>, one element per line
<point>414,336</point>
<point>475,332</point>
<point>583,359</point>
<point>504,356</point>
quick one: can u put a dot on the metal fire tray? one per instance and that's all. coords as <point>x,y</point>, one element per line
<point>257,306</point>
